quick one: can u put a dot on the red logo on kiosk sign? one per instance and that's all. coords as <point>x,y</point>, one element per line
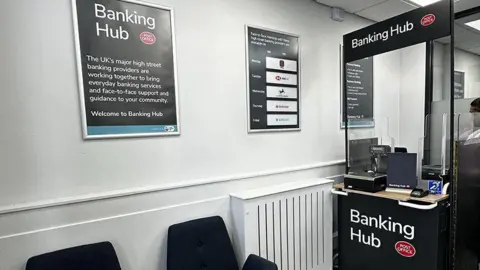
<point>428,20</point>
<point>405,249</point>
<point>148,38</point>
<point>278,78</point>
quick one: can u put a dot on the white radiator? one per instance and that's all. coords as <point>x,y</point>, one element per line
<point>289,224</point>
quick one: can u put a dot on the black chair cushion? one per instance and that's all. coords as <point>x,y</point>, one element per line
<point>255,262</point>
<point>201,244</point>
<point>100,256</point>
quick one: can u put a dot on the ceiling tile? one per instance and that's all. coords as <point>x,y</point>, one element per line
<point>475,50</point>
<point>466,4</point>
<point>468,44</point>
<point>351,6</point>
<point>462,34</point>
<point>386,10</point>
<point>467,19</point>
<point>466,38</point>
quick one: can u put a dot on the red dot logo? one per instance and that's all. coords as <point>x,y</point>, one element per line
<point>148,38</point>
<point>428,19</point>
<point>278,78</point>
<point>405,249</point>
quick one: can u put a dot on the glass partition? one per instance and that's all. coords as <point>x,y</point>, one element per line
<point>467,128</point>
<point>435,145</point>
<point>467,62</point>
<point>385,108</point>
<point>366,146</point>
<point>466,88</point>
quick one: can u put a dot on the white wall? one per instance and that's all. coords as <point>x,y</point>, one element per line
<point>470,64</point>
<point>44,157</point>
<point>139,237</point>
<point>387,90</point>
<point>412,97</point>
<point>44,161</point>
<point>464,61</point>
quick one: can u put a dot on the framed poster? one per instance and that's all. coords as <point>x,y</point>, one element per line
<point>273,80</point>
<point>126,68</point>
<point>359,90</point>
<point>459,81</point>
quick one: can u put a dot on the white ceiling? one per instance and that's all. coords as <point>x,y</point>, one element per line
<point>467,38</point>
<point>378,10</point>
<point>466,4</point>
<point>385,10</point>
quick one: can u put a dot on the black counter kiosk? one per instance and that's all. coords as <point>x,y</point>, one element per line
<point>386,230</point>
<point>390,230</point>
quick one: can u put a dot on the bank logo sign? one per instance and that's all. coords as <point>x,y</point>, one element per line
<point>282,92</point>
<point>281,64</point>
<point>148,38</point>
<point>428,20</point>
<point>405,249</point>
<point>282,120</point>
<point>282,106</point>
<point>281,78</point>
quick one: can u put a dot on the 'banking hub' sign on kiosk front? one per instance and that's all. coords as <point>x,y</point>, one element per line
<point>378,232</point>
<point>384,223</point>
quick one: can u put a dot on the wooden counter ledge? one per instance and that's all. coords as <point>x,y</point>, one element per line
<point>394,196</point>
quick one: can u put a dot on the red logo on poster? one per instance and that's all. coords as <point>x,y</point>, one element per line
<point>278,78</point>
<point>428,20</point>
<point>405,249</point>
<point>148,38</point>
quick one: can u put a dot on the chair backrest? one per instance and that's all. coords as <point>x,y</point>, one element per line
<point>201,244</point>
<point>100,256</point>
<point>255,262</point>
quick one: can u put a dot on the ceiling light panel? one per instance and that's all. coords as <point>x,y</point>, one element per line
<point>474,24</point>
<point>422,3</point>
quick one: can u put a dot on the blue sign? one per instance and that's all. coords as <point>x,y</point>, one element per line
<point>435,187</point>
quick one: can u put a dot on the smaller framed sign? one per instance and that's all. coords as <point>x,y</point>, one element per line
<point>358,86</point>
<point>459,81</point>
<point>273,80</point>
